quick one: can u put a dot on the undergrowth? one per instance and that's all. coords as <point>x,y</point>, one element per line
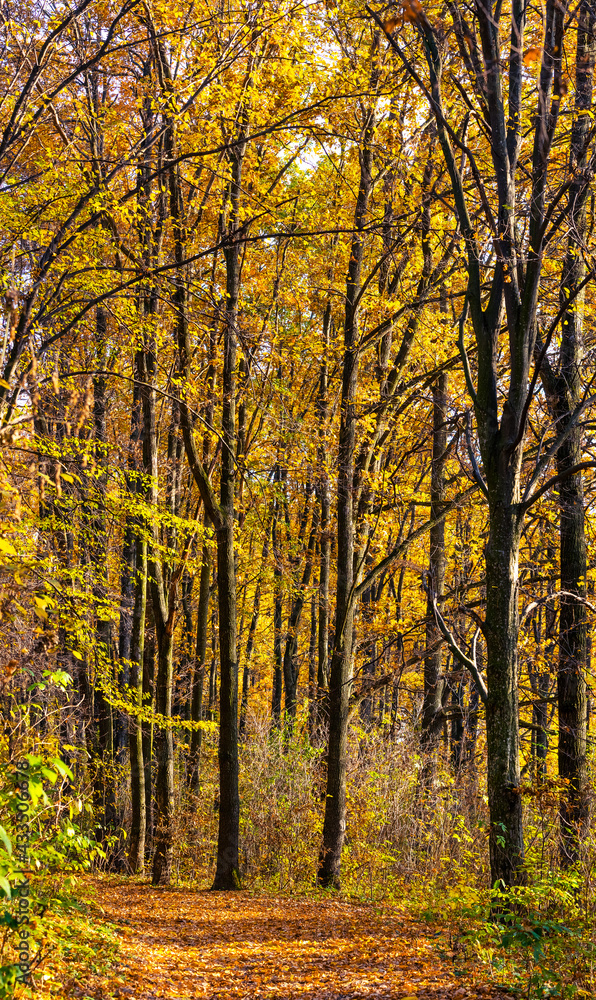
<point>71,937</point>
<point>414,847</point>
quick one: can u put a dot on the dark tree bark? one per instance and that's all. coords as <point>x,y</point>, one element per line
<point>276,688</point>
<point>164,603</point>
<point>213,668</point>
<point>564,392</point>
<point>104,715</point>
<point>200,667</point>
<point>138,579</point>
<point>312,667</point>
<point>246,677</point>
<point>147,727</point>
<point>136,854</point>
<point>221,513</point>
<point>457,726</point>
<point>369,667</point>
<point>127,598</point>
<point>514,281</point>
<point>163,853</point>
<point>323,491</point>
<point>227,875</point>
<point>340,675</point>
<point>198,678</point>
<point>354,493</point>
<point>290,660</point>
<point>432,708</point>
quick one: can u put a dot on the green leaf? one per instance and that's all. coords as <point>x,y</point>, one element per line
<point>35,790</point>
<point>62,768</point>
<point>5,840</point>
<point>5,886</point>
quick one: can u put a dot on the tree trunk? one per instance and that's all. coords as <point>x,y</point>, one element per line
<point>276,690</point>
<point>432,709</point>
<point>147,730</point>
<point>163,854</point>
<point>253,627</point>
<point>103,659</point>
<point>312,667</point>
<point>198,680</point>
<point>163,603</point>
<point>514,283</point>
<point>325,542</point>
<point>457,726</point>
<point>340,678</point>
<point>136,855</point>
<point>573,642</point>
<point>227,873</point>
<point>290,661</point>
<point>506,843</point>
<point>573,623</point>
<point>564,390</point>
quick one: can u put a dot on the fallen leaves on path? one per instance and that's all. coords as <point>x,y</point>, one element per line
<point>184,945</point>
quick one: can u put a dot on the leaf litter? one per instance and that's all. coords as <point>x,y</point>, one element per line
<point>180,944</point>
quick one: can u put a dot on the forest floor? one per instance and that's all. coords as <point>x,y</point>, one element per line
<point>180,944</point>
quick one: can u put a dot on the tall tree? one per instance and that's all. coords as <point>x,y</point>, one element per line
<point>564,390</point>
<point>509,292</point>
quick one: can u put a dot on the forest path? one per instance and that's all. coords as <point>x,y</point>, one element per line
<point>184,945</point>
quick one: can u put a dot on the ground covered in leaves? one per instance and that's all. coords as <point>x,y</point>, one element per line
<point>181,945</point>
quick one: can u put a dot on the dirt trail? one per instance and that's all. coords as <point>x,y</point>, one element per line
<point>182,945</point>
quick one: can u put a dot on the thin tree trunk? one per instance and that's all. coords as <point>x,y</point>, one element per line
<point>163,603</point>
<point>198,679</point>
<point>573,623</point>
<point>136,856</point>
<point>340,678</point>
<point>312,667</point>
<point>246,678</point>
<point>432,709</point>
<point>325,536</point>
<point>138,579</point>
<point>564,390</point>
<point>457,726</point>
<point>277,614</point>
<point>290,662</point>
<point>514,288</point>
<point>222,514</point>
<point>147,729</point>
<point>164,750</point>
<point>104,662</point>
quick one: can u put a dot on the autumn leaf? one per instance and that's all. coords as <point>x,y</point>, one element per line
<point>532,55</point>
<point>249,947</point>
<point>413,11</point>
